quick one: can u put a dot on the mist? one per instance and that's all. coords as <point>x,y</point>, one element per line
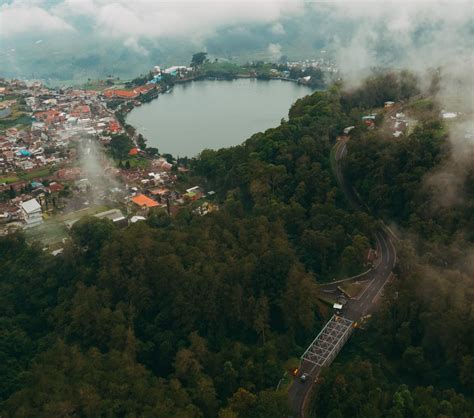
<point>97,169</point>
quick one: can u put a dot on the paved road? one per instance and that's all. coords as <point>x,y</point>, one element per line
<point>354,309</point>
<point>380,274</point>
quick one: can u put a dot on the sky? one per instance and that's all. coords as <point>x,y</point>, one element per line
<point>358,34</point>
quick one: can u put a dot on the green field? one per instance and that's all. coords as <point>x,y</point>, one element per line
<point>26,176</point>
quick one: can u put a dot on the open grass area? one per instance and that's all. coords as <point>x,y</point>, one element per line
<point>50,232</point>
<point>53,230</point>
<point>353,289</point>
<point>39,172</point>
<point>82,212</point>
<point>422,105</point>
<point>9,179</point>
<point>221,66</point>
<point>138,162</point>
<point>26,176</point>
<point>326,298</point>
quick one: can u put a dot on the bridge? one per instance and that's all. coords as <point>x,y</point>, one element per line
<point>328,342</point>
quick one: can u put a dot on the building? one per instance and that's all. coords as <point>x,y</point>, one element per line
<point>115,215</point>
<point>31,211</point>
<point>144,201</point>
<point>5,111</point>
<point>348,129</point>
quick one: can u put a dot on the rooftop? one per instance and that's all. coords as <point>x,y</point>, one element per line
<point>143,201</point>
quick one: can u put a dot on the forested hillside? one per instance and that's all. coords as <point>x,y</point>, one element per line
<point>186,316</point>
<point>415,358</point>
<point>196,316</point>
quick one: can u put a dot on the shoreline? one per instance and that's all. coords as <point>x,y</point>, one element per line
<point>168,89</point>
<point>204,77</point>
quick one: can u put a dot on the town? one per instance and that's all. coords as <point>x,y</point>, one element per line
<point>65,154</point>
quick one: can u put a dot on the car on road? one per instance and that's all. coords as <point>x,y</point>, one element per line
<point>304,377</point>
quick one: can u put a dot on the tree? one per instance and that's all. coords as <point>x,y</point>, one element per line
<point>90,234</point>
<point>141,141</point>
<point>152,151</point>
<point>120,146</point>
<point>198,59</point>
<point>243,402</point>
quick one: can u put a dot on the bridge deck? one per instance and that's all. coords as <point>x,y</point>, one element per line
<point>328,342</point>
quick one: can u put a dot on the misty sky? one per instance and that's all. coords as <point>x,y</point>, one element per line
<point>104,35</point>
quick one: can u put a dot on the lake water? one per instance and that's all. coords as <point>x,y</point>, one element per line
<point>213,114</point>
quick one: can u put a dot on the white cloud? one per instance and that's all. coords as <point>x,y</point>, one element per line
<point>22,17</point>
<point>278,29</point>
<point>196,19</point>
<point>275,51</point>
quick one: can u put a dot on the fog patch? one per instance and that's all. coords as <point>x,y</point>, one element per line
<point>274,50</point>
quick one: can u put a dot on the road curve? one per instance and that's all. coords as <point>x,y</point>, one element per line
<point>367,301</point>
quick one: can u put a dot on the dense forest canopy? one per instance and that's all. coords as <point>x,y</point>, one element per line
<point>416,358</point>
<point>196,316</point>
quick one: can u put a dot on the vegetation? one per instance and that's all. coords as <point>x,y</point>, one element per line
<point>196,316</point>
<point>415,359</point>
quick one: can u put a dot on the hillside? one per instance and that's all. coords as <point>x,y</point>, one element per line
<point>196,316</point>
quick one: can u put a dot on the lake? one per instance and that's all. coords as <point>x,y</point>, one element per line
<point>213,114</point>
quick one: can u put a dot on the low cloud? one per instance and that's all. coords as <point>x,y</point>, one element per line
<point>22,17</point>
<point>142,20</point>
<point>278,29</point>
<point>274,50</point>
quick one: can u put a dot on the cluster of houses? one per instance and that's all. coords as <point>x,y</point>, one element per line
<point>40,174</point>
<point>138,94</point>
<point>158,189</point>
<point>57,118</point>
<point>321,63</point>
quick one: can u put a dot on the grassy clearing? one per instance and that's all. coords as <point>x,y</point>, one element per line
<point>326,298</point>
<point>353,289</point>
<point>26,176</point>
<point>50,232</point>
<point>422,105</point>
<point>9,179</point>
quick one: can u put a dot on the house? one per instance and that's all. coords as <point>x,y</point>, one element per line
<point>348,129</point>
<point>144,201</point>
<point>448,115</point>
<point>55,187</point>
<point>31,211</point>
<point>115,215</point>
<point>388,104</point>
<point>114,127</point>
<point>136,218</point>
<point>161,193</point>
<point>120,94</point>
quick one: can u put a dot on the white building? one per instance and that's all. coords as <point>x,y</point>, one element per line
<point>31,211</point>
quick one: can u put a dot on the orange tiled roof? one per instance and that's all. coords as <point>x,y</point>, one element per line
<point>142,200</point>
<point>125,94</point>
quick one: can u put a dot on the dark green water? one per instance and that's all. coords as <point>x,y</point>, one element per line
<point>213,114</point>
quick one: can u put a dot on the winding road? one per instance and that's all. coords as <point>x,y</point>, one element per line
<point>354,309</point>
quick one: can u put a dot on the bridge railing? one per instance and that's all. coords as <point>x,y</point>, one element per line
<point>324,348</point>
